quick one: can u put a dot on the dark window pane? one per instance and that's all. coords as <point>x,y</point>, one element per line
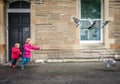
<point>19,4</point>
<point>25,20</point>
<point>14,20</point>
<point>90,34</point>
<point>15,4</point>
<point>25,4</point>
<point>90,9</point>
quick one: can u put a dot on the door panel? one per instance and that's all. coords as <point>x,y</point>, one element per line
<point>19,29</point>
<point>25,20</point>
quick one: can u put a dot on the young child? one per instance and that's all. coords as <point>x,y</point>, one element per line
<point>15,55</point>
<point>28,47</point>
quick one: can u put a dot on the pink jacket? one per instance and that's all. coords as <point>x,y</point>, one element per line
<point>28,48</point>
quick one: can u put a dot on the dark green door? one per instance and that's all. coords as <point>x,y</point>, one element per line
<point>19,29</point>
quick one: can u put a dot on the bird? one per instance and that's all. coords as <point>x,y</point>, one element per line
<point>109,63</point>
<point>77,21</point>
<point>104,23</point>
<point>92,23</point>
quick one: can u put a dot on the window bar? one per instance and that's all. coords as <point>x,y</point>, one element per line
<point>20,4</point>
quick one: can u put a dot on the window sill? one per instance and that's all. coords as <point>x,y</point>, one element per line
<point>92,46</point>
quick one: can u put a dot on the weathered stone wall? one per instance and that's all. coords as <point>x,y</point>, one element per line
<point>2,31</point>
<point>54,27</point>
<point>114,28</point>
<point>57,34</point>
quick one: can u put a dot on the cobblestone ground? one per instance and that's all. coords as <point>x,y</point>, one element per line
<point>61,73</point>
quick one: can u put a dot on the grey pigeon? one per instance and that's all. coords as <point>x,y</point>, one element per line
<point>77,21</point>
<point>104,23</point>
<point>109,63</point>
<point>92,23</point>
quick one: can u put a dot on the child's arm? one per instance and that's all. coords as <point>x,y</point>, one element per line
<point>18,52</point>
<point>14,50</point>
<point>26,48</point>
<point>35,47</point>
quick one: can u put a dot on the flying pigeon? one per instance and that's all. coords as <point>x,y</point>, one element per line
<point>77,21</point>
<point>104,23</point>
<point>109,63</point>
<point>92,23</point>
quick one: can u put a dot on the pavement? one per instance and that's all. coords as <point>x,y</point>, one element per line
<point>61,73</point>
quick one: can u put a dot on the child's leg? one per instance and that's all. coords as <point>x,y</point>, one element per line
<point>14,62</point>
<point>11,63</point>
<point>24,62</point>
<point>28,59</point>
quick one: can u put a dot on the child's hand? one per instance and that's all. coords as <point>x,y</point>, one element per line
<point>31,50</point>
<point>38,48</point>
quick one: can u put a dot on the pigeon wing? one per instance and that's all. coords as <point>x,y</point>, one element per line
<point>91,21</point>
<point>104,24</point>
<point>77,21</point>
<point>92,25</point>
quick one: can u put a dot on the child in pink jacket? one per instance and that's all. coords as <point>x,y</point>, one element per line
<point>28,47</point>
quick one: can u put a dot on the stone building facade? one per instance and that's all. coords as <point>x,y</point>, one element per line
<point>49,23</point>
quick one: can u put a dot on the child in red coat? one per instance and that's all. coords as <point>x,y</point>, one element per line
<point>15,55</point>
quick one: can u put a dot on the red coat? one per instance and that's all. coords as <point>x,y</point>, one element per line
<point>15,53</point>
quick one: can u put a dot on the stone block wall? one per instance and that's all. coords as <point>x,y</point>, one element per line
<point>54,27</point>
<point>2,32</point>
<point>114,28</point>
<point>56,32</point>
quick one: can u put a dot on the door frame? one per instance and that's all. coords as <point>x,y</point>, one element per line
<point>7,28</point>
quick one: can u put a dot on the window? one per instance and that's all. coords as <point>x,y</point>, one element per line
<point>91,9</point>
<point>20,4</point>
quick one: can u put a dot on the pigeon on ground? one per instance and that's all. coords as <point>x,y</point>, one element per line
<point>109,63</point>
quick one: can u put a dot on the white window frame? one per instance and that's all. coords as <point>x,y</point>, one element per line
<point>101,33</point>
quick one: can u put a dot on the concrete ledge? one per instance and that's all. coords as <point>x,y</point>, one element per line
<point>66,60</point>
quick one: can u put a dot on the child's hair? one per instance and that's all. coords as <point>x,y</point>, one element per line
<point>28,39</point>
<point>16,44</point>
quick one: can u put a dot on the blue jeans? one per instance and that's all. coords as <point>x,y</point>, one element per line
<point>13,61</point>
<point>24,61</point>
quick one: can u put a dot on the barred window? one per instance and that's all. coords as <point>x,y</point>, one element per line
<point>19,5</point>
<point>91,9</point>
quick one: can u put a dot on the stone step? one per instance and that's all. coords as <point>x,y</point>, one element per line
<point>75,54</point>
<point>67,60</point>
